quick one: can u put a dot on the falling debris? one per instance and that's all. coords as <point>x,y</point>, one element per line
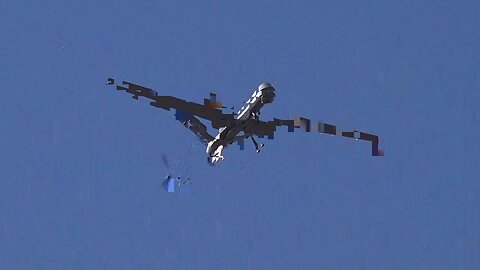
<point>178,181</point>
<point>169,184</point>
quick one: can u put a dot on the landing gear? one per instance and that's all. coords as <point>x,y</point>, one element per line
<point>256,116</point>
<point>257,148</point>
<point>255,144</point>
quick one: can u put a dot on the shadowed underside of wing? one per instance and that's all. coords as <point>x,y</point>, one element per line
<point>183,108</point>
<point>268,129</point>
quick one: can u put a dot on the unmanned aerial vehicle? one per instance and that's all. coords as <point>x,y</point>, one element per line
<point>235,127</point>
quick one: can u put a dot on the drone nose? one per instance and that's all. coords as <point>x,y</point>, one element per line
<point>266,87</point>
<point>267,97</point>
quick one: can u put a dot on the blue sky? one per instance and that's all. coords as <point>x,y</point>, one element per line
<point>80,164</point>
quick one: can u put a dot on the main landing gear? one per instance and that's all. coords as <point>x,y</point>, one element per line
<point>257,148</point>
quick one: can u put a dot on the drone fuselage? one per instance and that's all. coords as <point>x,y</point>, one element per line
<point>230,133</point>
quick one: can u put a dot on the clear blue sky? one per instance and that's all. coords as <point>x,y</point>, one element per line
<point>80,164</point>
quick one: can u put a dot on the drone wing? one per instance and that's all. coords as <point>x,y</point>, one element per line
<point>262,129</point>
<point>184,110</point>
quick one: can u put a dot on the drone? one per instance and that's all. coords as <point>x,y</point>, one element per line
<point>236,127</point>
